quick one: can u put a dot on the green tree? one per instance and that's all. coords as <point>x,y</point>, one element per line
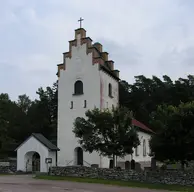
<point>145,94</point>
<point>18,123</point>
<point>108,132</point>
<point>24,102</point>
<point>42,114</point>
<point>5,140</point>
<point>175,133</point>
<point>3,130</point>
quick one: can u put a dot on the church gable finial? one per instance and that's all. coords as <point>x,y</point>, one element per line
<point>80,21</point>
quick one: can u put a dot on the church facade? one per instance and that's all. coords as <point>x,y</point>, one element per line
<point>88,79</point>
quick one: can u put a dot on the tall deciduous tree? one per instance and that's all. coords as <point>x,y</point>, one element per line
<point>108,132</point>
<point>145,94</point>
<point>24,102</point>
<point>3,130</point>
<point>175,136</point>
<point>42,114</point>
<point>5,105</point>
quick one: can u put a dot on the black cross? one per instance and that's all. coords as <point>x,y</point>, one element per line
<point>80,20</point>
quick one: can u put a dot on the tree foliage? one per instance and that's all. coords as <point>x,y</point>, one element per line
<point>145,94</point>
<point>18,119</point>
<point>175,136</point>
<point>108,132</point>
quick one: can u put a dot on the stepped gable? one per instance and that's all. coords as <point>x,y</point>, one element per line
<point>98,55</point>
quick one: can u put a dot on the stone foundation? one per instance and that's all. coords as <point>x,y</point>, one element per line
<point>8,167</point>
<point>162,177</point>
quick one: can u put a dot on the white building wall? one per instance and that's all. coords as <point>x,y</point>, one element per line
<point>79,67</point>
<point>95,87</point>
<point>52,155</point>
<point>31,145</point>
<point>108,101</point>
<point>140,158</point>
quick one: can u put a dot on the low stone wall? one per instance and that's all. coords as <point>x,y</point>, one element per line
<point>163,177</point>
<point>8,167</point>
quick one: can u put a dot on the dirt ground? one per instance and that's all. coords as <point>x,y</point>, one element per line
<point>26,183</point>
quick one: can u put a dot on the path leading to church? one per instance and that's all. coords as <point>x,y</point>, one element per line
<point>28,184</point>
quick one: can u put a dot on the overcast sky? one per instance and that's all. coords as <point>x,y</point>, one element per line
<point>149,37</point>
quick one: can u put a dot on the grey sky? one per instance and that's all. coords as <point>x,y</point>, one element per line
<point>149,37</point>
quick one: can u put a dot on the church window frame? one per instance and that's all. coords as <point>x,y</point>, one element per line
<point>144,147</point>
<point>71,107</point>
<point>110,90</point>
<point>85,103</point>
<point>78,88</point>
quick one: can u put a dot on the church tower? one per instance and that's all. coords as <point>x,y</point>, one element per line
<point>86,79</point>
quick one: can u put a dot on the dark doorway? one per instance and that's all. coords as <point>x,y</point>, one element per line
<point>133,164</point>
<point>153,163</point>
<point>36,162</point>
<point>111,164</point>
<point>127,165</point>
<point>79,156</point>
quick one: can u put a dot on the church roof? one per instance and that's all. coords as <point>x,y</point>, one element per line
<point>107,70</point>
<point>141,126</point>
<point>45,141</point>
<point>42,140</point>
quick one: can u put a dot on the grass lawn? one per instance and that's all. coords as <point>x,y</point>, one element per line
<point>3,174</point>
<point>119,183</point>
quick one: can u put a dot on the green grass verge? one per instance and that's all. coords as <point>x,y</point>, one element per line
<point>119,183</point>
<point>3,174</point>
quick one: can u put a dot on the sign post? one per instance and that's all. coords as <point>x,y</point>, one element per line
<point>48,161</point>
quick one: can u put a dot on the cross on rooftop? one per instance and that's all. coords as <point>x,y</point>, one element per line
<point>80,20</point>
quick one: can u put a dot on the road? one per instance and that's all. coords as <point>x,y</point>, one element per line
<point>25,183</point>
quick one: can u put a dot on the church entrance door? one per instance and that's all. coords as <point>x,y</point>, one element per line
<point>36,162</point>
<point>78,156</point>
<point>32,161</point>
<point>127,165</point>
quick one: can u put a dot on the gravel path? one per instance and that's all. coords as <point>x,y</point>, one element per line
<point>25,183</point>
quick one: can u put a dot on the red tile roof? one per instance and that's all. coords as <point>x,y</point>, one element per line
<point>141,125</point>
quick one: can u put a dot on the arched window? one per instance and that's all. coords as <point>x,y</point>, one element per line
<point>78,88</point>
<point>110,90</point>
<point>144,147</point>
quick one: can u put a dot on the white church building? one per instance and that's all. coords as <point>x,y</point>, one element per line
<point>86,79</point>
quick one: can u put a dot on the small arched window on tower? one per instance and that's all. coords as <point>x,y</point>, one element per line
<point>109,90</point>
<point>144,147</point>
<point>85,103</point>
<point>71,107</point>
<point>78,88</point>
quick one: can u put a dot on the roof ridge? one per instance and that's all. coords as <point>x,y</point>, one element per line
<point>46,142</point>
<point>141,125</point>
